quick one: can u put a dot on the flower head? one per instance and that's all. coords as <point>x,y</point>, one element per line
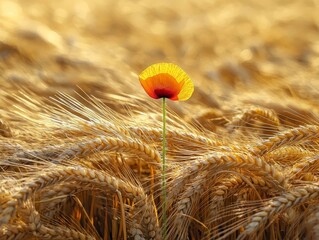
<point>166,80</point>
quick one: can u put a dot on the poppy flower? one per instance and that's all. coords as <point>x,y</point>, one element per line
<point>166,80</point>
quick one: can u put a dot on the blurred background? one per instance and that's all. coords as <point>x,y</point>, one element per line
<point>236,52</point>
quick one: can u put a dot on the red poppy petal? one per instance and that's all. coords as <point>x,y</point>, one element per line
<point>166,80</point>
<point>162,85</point>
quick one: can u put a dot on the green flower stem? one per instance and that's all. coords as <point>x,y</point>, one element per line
<point>164,223</point>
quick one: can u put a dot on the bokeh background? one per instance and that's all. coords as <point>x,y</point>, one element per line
<point>236,52</point>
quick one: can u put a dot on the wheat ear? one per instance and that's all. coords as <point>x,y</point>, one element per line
<point>51,232</point>
<point>30,223</point>
<point>232,160</point>
<point>85,175</point>
<point>155,134</point>
<point>285,138</point>
<point>286,155</point>
<point>265,115</point>
<point>110,144</point>
<point>147,133</point>
<point>144,133</point>
<point>279,204</point>
<point>144,218</point>
<point>60,175</point>
<point>313,224</point>
<point>302,169</point>
<point>305,165</point>
<point>217,201</point>
<point>52,198</point>
<point>98,144</point>
<point>14,231</point>
<point>190,197</point>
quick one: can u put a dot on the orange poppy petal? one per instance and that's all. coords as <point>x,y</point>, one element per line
<point>166,80</point>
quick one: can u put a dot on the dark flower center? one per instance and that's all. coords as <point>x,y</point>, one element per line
<point>164,93</point>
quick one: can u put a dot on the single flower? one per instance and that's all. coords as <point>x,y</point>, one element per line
<point>166,80</point>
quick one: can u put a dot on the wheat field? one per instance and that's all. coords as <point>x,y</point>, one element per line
<point>80,142</point>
